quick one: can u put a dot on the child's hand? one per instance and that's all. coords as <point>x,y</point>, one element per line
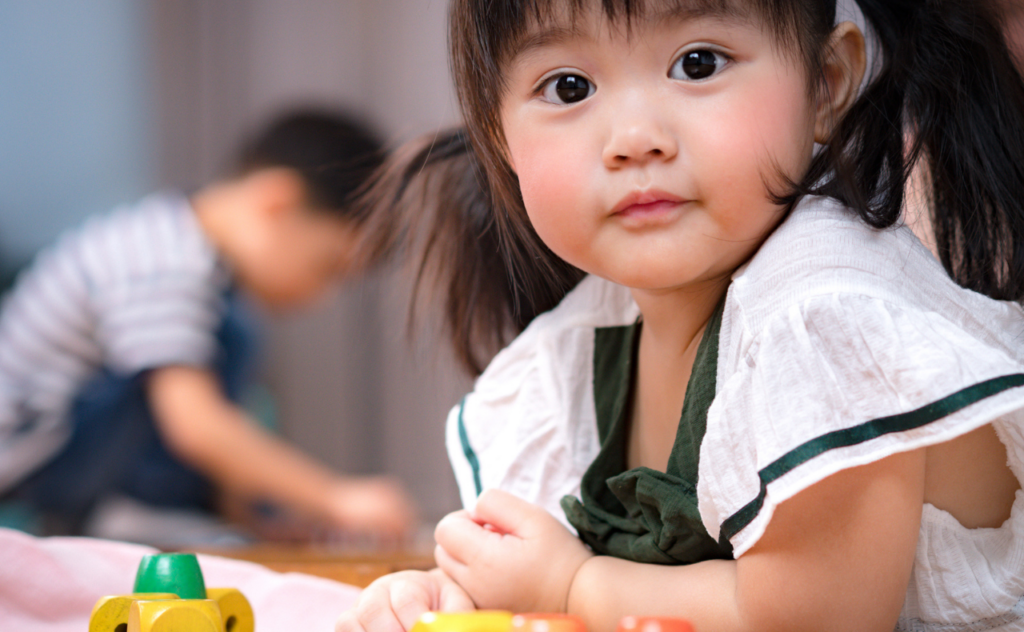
<point>394,602</point>
<point>509,554</point>
<point>377,505</point>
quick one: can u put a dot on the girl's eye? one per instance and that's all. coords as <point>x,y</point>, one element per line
<point>567,89</point>
<point>697,64</point>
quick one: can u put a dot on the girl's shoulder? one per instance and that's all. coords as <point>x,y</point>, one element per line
<point>556,337</point>
<point>823,251</point>
<point>840,345</point>
<point>543,381</point>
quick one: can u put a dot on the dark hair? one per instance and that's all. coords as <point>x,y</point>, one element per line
<point>947,82</point>
<point>946,77</point>
<point>332,152</point>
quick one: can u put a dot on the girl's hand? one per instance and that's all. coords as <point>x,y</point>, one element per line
<point>394,602</point>
<point>509,554</point>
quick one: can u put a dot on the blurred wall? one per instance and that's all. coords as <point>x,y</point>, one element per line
<point>107,99</point>
<point>77,130</point>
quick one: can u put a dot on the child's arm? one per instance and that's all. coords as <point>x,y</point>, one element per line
<point>837,556</point>
<point>208,431</point>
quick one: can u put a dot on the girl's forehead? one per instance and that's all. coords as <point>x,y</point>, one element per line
<point>570,14</point>
<point>537,22</point>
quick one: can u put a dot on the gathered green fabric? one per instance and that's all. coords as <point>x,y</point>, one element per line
<point>642,514</point>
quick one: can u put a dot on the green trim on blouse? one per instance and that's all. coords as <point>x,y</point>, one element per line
<point>861,433</point>
<point>642,514</point>
<point>474,462</point>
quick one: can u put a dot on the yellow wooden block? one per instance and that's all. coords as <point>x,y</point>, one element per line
<point>174,615</point>
<point>234,609</point>
<point>111,612</point>
<point>479,621</point>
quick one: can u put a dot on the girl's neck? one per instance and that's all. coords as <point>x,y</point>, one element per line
<point>674,319</point>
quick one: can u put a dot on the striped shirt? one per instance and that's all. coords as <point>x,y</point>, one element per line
<point>137,289</point>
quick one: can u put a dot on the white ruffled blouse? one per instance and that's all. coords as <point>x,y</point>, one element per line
<point>839,346</point>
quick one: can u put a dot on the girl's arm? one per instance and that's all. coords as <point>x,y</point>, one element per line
<point>837,556</point>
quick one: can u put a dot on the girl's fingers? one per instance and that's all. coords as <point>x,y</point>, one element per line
<point>503,511</point>
<point>408,601</point>
<point>451,566</point>
<point>454,599</point>
<point>374,611</point>
<point>348,622</point>
<point>461,537</point>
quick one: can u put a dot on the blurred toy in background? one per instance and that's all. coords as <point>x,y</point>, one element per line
<point>125,347</point>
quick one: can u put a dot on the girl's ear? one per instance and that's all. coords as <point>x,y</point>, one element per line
<point>841,76</point>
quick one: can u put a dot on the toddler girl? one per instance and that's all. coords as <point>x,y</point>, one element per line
<point>767,407</point>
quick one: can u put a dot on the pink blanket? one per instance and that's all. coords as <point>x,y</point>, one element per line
<point>51,584</point>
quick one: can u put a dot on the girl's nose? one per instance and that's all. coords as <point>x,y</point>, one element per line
<point>638,138</point>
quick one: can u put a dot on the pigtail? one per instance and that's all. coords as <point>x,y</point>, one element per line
<point>947,93</point>
<point>427,207</point>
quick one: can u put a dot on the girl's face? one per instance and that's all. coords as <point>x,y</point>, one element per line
<point>648,157</point>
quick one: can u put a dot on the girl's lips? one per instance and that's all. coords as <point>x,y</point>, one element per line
<point>647,202</point>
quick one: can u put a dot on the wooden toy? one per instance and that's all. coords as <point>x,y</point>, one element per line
<point>653,624</point>
<point>547,622</point>
<point>502,621</point>
<point>170,595</point>
<point>478,621</point>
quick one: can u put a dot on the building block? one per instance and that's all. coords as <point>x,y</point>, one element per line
<point>502,621</point>
<point>175,615</point>
<point>547,622</point>
<point>234,609</point>
<point>177,573</point>
<point>171,596</point>
<point>112,611</point>
<point>653,624</point>
<point>478,621</point>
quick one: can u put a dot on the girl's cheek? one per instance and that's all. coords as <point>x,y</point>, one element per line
<point>551,182</point>
<point>771,138</point>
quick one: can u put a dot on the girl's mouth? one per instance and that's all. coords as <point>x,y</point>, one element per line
<point>649,204</point>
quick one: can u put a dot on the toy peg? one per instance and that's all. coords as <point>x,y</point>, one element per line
<point>174,615</point>
<point>234,609</point>
<point>547,622</point>
<point>177,573</point>
<point>478,621</point>
<point>653,624</point>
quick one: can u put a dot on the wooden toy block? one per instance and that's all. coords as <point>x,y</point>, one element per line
<point>171,596</point>
<point>547,622</point>
<point>653,624</point>
<point>234,609</point>
<point>112,611</point>
<point>479,621</point>
<point>174,615</point>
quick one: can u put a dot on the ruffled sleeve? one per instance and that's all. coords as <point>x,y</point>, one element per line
<point>528,427</point>
<point>841,379</point>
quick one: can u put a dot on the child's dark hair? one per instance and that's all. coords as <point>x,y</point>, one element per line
<point>946,80</point>
<point>332,152</point>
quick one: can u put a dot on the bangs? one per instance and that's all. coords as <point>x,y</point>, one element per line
<point>507,24</point>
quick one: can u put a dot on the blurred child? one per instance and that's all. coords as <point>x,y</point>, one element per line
<point>125,346</point>
<point>761,403</point>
